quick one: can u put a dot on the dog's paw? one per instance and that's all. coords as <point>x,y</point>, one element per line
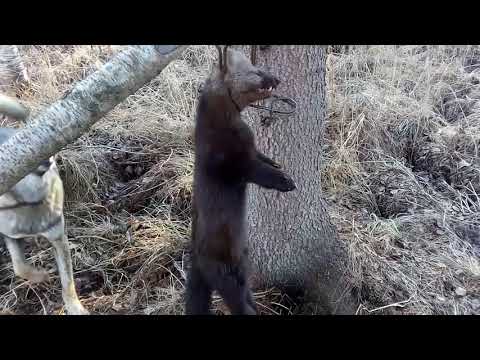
<point>33,275</point>
<point>76,308</point>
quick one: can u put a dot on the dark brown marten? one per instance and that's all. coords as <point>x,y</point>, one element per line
<point>226,159</point>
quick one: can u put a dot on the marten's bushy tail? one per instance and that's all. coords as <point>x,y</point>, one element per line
<point>12,108</point>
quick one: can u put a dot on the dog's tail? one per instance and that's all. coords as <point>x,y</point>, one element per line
<point>12,108</point>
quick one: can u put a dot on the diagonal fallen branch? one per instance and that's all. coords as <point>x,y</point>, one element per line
<point>68,118</point>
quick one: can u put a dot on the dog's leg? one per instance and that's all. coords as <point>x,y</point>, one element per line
<point>20,266</point>
<point>64,263</point>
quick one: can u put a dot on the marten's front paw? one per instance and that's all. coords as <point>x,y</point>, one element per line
<point>286,184</point>
<point>276,165</point>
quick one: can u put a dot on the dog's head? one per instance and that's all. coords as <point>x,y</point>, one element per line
<point>36,185</point>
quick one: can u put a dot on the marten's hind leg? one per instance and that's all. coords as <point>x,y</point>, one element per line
<point>235,292</point>
<point>198,293</point>
<point>251,301</point>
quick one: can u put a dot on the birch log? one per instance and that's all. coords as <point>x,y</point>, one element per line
<point>90,99</point>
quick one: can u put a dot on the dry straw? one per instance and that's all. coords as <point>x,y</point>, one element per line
<point>401,175</point>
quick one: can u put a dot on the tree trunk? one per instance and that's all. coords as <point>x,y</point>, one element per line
<point>90,99</point>
<point>292,240</point>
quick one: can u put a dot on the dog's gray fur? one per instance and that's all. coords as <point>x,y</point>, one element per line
<point>34,207</point>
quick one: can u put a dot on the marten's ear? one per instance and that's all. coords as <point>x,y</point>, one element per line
<point>225,59</point>
<point>222,58</point>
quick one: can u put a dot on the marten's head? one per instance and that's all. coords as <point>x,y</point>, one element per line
<point>244,82</point>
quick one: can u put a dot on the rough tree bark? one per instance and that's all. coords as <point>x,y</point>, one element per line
<point>292,240</point>
<point>90,99</point>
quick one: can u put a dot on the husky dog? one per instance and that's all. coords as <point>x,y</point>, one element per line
<point>34,207</point>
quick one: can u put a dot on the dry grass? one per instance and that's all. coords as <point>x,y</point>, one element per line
<point>401,175</point>
<point>128,192</point>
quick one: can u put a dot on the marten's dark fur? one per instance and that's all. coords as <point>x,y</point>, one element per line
<point>226,159</point>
